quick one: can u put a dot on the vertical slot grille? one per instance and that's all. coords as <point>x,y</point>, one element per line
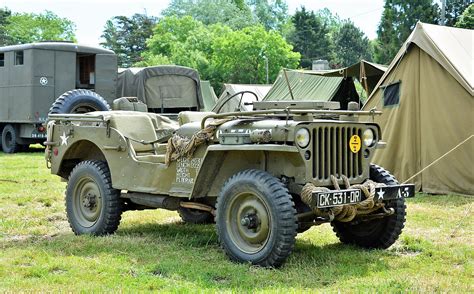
<point>332,154</point>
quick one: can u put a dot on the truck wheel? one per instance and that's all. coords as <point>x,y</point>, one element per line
<point>79,101</point>
<point>9,137</point>
<point>92,205</point>
<point>194,216</point>
<point>378,233</point>
<point>256,219</point>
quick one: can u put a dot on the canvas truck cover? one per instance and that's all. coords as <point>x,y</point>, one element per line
<point>233,104</point>
<point>310,85</point>
<point>433,78</point>
<point>166,86</point>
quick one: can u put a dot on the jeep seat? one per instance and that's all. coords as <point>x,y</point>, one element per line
<point>138,126</point>
<point>185,117</point>
<point>130,104</point>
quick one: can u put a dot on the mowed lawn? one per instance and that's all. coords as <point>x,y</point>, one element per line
<point>154,251</point>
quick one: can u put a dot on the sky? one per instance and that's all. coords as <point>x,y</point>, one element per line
<point>90,15</point>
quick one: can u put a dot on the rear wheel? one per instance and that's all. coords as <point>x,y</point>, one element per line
<point>9,139</point>
<point>377,233</point>
<point>92,205</point>
<point>79,101</point>
<point>256,219</point>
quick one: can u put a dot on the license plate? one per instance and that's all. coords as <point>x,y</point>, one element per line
<point>338,198</point>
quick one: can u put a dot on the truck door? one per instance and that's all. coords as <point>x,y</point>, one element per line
<point>106,76</point>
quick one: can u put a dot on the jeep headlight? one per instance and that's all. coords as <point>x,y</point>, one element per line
<point>368,137</point>
<point>302,137</point>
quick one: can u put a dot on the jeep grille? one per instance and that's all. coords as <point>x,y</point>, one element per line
<point>332,155</point>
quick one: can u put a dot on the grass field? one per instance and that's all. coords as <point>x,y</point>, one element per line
<point>154,250</point>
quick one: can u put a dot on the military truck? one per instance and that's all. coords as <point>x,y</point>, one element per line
<point>261,176</point>
<point>32,76</point>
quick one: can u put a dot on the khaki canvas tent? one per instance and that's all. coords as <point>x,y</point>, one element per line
<point>167,88</point>
<point>427,100</point>
<point>232,105</point>
<point>311,85</point>
<point>208,95</point>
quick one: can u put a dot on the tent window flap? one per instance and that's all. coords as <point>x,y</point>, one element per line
<point>391,95</point>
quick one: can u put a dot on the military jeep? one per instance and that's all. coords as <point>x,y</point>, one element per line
<point>262,176</point>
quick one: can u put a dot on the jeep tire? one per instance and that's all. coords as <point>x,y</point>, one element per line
<point>79,101</point>
<point>377,233</point>
<point>256,219</point>
<point>92,205</point>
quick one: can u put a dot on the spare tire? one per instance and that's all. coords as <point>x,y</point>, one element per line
<point>79,101</point>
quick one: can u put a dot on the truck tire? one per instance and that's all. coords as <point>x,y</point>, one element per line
<point>79,101</point>
<point>377,233</point>
<point>92,205</point>
<point>9,139</point>
<point>256,219</point>
<point>194,216</point>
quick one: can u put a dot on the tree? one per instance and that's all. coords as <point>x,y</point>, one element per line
<point>310,37</point>
<point>235,14</point>
<point>351,44</point>
<point>5,39</point>
<point>272,14</point>
<point>240,55</point>
<point>127,36</point>
<point>466,20</point>
<point>454,9</point>
<point>398,21</point>
<point>219,53</point>
<point>31,27</point>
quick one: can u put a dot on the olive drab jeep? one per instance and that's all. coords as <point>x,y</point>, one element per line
<point>262,176</point>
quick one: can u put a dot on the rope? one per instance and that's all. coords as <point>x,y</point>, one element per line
<point>179,146</point>
<point>438,159</point>
<point>348,212</point>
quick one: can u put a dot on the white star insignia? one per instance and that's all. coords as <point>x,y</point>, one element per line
<point>380,193</point>
<point>64,139</point>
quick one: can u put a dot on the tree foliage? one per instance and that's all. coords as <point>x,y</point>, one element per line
<point>30,27</point>
<point>454,10</point>
<point>127,36</point>
<point>466,20</point>
<point>398,21</point>
<point>235,14</point>
<point>219,53</point>
<point>272,14</point>
<point>351,44</point>
<point>5,39</point>
<point>310,37</point>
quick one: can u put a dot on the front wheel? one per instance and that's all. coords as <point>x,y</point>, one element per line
<point>377,233</point>
<point>256,219</point>
<point>92,205</point>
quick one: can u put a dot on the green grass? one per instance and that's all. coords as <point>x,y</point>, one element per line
<point>154,250</point>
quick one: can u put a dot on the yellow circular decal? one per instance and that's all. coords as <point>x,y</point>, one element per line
<point>354,144</point>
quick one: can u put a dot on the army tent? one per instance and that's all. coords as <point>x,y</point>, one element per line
<point>231,89</point>
<point>208,95</point>
<point>310,85</point>
<point>368,73</point>
<point>427,100</point>
<point>166,88</point>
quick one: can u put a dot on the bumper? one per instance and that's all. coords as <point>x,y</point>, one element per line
<point>334,198</point>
